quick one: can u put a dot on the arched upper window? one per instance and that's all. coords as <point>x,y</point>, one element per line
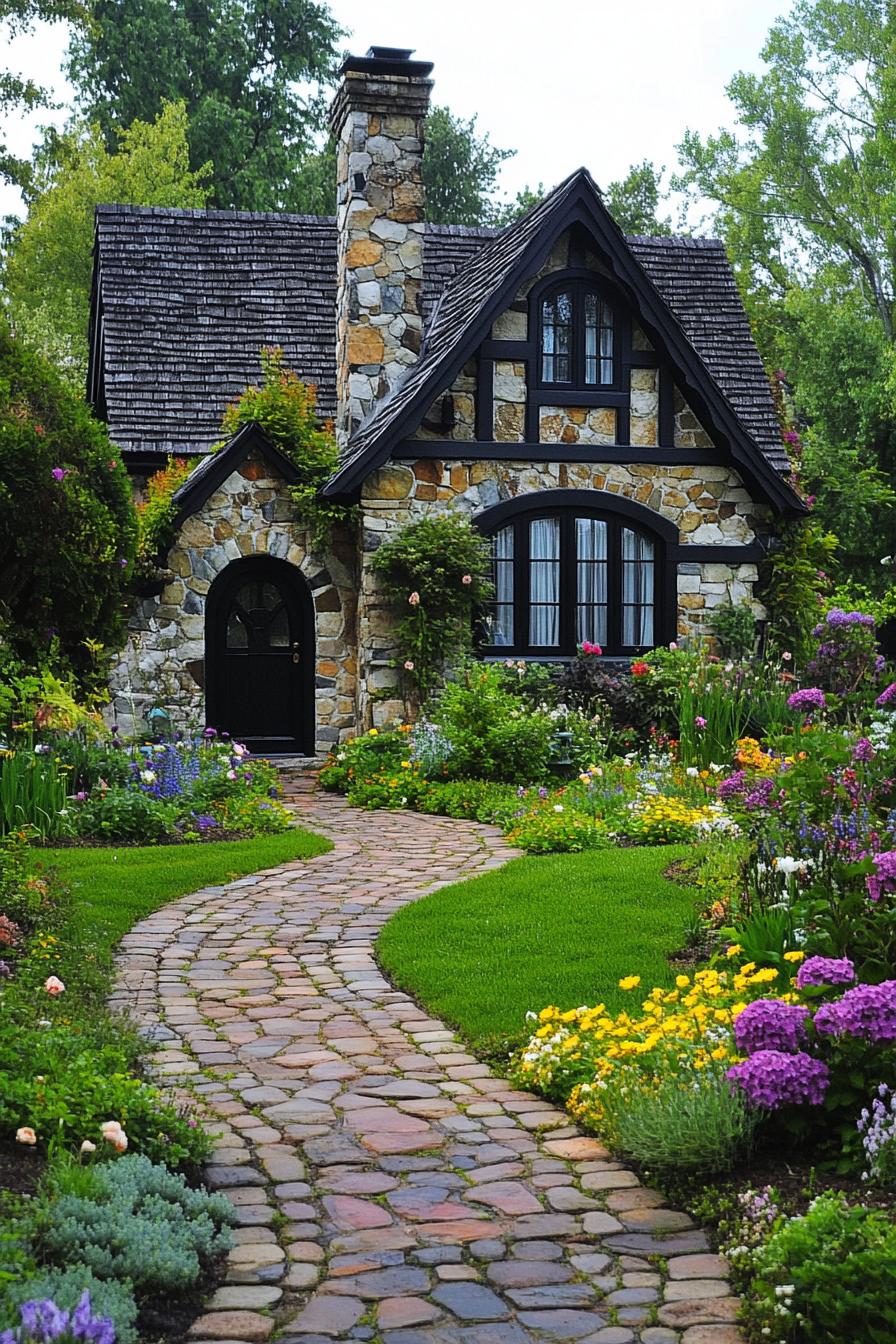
<point>577,337</point>
<point>564,576</point>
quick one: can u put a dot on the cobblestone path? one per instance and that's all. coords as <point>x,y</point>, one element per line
<point>387,1185</point>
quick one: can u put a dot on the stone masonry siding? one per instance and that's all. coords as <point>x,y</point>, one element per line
<point>708,504</point>
<point>163,662</point>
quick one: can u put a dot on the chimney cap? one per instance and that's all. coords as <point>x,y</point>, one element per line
<point>388,61</point>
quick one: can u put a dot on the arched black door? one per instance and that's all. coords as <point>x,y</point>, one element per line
<point>259,656</point>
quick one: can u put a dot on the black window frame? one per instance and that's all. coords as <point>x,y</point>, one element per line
<point>578,287</point>
<point>618,514</point>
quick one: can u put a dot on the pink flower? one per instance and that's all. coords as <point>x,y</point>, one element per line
<point>113,1133</point>
<point>787,657</point>
<point>54,986</point>
<point>699,721</point>
<point>467,579</point>
<point>26,1135</point>
<point>231,774</point>
<point>88,1147</point>
<point>414,599</point>
<point>59,473</point>
<point>409,666</point>
<point>673,647</point>
<point>588,647</point>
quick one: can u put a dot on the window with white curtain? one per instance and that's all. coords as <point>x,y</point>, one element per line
<point>577,337</point>
<point>569,577</point>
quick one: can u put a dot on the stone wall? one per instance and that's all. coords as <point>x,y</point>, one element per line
<point>163,662</point>
<point>708,504</point>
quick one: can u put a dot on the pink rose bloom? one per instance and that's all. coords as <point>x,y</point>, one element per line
<point>467,579</point>
<point>26,1135</point>
<point>414,599</point>
<point>409,666</point>
<point>54,986</point>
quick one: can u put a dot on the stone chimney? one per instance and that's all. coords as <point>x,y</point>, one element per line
<point>377,120</point>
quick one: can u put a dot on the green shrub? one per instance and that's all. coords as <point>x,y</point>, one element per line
<point>144,1225</point>
<point>492,735</point>
<point>692,1123</point>
<point>735,629</point>
<point>472,799</point>
<point>827,1276</point>
<point>436,574</point>
<point>110,1298</point>
<point>66,539</point>
<point>124,814</point>
<point>32,794</point>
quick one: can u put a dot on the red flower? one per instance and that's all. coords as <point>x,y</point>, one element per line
<point>640,669</point>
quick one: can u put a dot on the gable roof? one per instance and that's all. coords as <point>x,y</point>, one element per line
<point>212,471</point>
<point>487,284</point>
<point>185,299</point>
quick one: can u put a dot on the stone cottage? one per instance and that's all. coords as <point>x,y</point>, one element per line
<point>594,403</point>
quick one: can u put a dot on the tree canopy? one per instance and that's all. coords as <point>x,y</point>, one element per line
<point>49,261</point>
<point>805,198</point>
<point>16,92</point>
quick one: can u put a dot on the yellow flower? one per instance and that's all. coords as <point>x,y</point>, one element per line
<point>682,981</point>
<point>630,982</point>
<point>733,950</point>
<point>794,956</point>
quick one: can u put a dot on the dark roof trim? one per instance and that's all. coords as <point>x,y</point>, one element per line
<point>576,201</point>
<point>213,470</point>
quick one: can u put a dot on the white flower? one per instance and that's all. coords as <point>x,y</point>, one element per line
<point>558,807</point>
<point>88,1147</point>
<point>692,771</point>
<point>148,776</point>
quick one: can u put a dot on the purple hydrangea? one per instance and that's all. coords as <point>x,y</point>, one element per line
<point>887,695</point>
<point>825,971</point>
<point>883,878</point>
<point>769,1024</point>
<point>837,619</point>
<point>772,1079</point>
<point>805,701</point>
<point>867,1012</point>
<point>863,750</point>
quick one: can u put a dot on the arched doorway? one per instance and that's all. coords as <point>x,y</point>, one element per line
<point>260,657</point>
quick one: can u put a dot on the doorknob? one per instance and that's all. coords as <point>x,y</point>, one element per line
<point>295,652</point>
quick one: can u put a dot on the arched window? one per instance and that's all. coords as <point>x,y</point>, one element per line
<point>567,575</point>
<point>577,337</point>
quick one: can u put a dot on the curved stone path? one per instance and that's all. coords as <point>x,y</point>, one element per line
<point>387,1185</point>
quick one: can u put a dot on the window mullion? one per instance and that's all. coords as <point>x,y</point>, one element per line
<point>614,587</point>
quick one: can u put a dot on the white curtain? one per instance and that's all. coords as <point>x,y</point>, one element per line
<point>502,544</point>
<point>637,589</point>
<point>591,580</point>
<point>544,582</point>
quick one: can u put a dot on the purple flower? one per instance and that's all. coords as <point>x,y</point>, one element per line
<point>760,796</point>
<point>59,473</point>
<point>699,721</point>
<point>867,1012</point>
<point>805,701</point>
<point>863,750</point>
<point>838,618</point>
<point>772,1079</point>
<point>769,1024</point>
<point>883,878</point>
<point>210,732</point>
<point>732,786</point>
<point>886,695</point>
<point>825,971</point>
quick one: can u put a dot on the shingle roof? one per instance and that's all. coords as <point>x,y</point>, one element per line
<point>188,297</point>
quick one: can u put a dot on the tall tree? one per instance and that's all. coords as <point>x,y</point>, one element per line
<point>16,92</point>
<point>460,170</point>
<point>250,73</point>
<point>805,196</point>
<point>634,201</point>
<point>48,266</point>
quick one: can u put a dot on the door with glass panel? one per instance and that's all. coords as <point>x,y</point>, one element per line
<point>260,656</point>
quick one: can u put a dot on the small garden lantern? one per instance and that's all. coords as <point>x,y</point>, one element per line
<point>159,721</point>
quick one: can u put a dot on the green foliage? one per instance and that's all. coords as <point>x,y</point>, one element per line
<point>460,170</point>
<point>829,1275</point>
<point>284,407</point>
<point>119,813</point>
<point>794,589</point>
<point>735,629</point>
<point>436,574</point>
<point>156,514</point>
<point>634,200</point>
<point>66,545</point>
<point>141,1224</point>
<point>804,191</point>
<point>250,75</point>
<point>472,799</point>
<point>692,1123</point>
<point>32,794</point>
<point>108,1298</point>
<point>19,95</point>
<point>492,735</point>
<point>50,256</point>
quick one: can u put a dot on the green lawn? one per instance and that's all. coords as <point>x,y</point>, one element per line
<point>562,929</point>
<point>114,888</point>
